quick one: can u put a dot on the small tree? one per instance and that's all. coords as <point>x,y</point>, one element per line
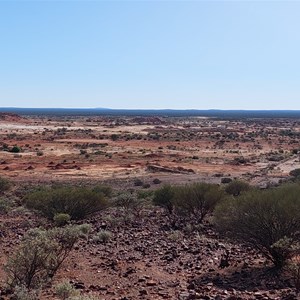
<point>197,199</point>
<point>262,218</point>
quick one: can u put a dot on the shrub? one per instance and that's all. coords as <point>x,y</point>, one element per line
<point>164,197</point>
<point>156,181</point>
<point>15,149</point>
<point>146,185</point>
<point>84,229</point>
<point>105,190</point>
<point>22,293</point>
<point>226,180</point>
<point>114,137</point>
<point>175,235</point>
<point>197,199</point>
<point>142,194</point>
<point>65,290</point>
<point>40,255</point>
<point>39,153</point>
<point>4,184</point>
<point>103,236</point>
<point>138,182</point>
<point>61,219</point>
<point>130,203</point>
<point>76,202</point>
<point>262,218</point>
<point>236,187</point>
<point>295,173</point>
<point>4,206</point>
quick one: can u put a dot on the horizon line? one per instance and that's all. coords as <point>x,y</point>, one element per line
<point>145,109</point>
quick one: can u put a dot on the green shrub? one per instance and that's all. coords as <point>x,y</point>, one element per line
<point>103,236</point>
<point>5,206</point>
<point>84,229</point>
<point>197,199</point>
<point>65,290</point>
<point>236,187</point>
<point>164,197</point>
<point>142,194</point>
<point>15,149</point>
<point>76,202</point>
<point>61,219</point>
<point>4,184</point>
<point>40,255</point>
<point>262,219</point>
<point>105,190</point>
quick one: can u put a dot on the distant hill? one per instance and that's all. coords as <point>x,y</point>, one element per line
<point>152,112</point>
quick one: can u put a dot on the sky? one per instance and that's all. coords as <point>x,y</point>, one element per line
<point>150,54</point>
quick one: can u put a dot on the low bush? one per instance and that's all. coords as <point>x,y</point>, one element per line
<point>138,182</point>
<point>131,203</point>
<point>65,290</point>
<point>5,206</point>
<point>61,219</point>
<point>22,293</point>
<point>15,149</point>
<point>156,181</point>
<point>225,180</point>
<point>103,189</point>
<point>103,236</point>
<point>236,187</point>
<point>76,202</point>
<point>263,219</point>
<point>40,255</point>
<point>4,184</point>
<point>146,185</point>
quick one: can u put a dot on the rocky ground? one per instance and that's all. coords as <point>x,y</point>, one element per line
<point>147,259</point>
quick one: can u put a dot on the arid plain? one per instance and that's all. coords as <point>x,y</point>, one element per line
<point>145,257</point>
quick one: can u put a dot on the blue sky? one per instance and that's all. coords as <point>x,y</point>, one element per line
<point>150,54</point>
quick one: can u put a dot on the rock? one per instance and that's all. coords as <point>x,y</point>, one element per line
<point>151,283</point>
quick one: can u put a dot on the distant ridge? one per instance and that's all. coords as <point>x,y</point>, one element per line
<point>216,113</point>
